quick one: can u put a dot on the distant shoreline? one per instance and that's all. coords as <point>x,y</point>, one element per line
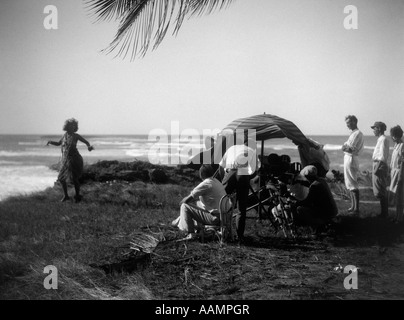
<point>22,155</point>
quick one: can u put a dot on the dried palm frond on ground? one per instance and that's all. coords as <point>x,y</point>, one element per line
<point>144,242</point>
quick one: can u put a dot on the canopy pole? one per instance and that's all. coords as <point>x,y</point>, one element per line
<point>260,180</point>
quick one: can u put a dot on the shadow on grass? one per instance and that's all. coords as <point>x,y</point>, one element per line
<point>305,244</point>
<point>357,231</point>
<point>345,231</point>
<point>10,269</point>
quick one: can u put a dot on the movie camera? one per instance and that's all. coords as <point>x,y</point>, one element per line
<point>272,195</point>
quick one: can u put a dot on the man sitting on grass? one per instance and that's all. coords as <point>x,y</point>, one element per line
<point>319,207</point>
<point>202,204</point>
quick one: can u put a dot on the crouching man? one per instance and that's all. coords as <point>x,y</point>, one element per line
<point>319,207</point>
<point>202,204</point>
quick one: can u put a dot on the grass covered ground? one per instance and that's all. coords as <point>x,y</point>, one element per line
<point>88,242</point>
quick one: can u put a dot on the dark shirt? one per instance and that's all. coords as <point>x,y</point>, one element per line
<point>320,199</point>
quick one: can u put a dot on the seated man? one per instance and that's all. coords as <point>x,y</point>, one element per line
<point>207,195</point>
<point>319,207</point>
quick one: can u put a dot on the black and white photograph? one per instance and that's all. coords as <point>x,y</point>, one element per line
<point>201,156</point>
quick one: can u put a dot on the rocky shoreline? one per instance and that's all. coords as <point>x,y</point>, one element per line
<point>118,171</point>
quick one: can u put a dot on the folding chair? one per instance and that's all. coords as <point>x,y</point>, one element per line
<point>227,205</point>
<point>224,231</point>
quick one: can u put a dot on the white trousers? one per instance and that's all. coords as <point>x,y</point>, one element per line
<point>351,171</point>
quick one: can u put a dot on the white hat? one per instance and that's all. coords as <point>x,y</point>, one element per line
<point>308,171</point>
<point>300,189</point>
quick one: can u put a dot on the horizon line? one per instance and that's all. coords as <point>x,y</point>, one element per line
<point>144,134</point>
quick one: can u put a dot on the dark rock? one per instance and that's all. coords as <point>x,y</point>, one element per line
<point>105,171</point>
<point>128,175</point>
<point>158,176</point>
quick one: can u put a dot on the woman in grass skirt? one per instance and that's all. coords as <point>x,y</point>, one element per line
<point>71,166</point>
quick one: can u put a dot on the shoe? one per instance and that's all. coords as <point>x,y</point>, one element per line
<point>320,229</point>
<point>78,198</point>
<point>241,241</point>
<point>190,236</point>
<point>65,198</point>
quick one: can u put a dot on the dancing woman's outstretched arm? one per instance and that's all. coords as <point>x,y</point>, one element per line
<point>80,138</point>
<point>55,143</point>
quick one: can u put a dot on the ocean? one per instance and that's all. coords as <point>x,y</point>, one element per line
<point>25,160</point>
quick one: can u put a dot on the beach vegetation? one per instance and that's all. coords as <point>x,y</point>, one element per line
<point>118,244</point>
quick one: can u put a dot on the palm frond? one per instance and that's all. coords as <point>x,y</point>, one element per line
<point>144,242</point>
<point>143,22</point>
<point>108,9</point>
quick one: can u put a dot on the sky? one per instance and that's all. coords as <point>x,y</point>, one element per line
<point>291,58</point>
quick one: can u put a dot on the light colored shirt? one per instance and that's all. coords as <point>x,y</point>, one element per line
<point>355,142</point>
<point>242,158</point>
<point>397,156</point>
<point>209,192</point>
<point>381,151</point>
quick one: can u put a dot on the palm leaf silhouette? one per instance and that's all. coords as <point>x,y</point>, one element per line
<point>143,23</point>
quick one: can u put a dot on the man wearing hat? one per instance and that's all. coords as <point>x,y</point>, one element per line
<point>319,207</point>
<point>380,167</point>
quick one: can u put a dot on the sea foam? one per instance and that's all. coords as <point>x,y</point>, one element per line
<point>30,179</point>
